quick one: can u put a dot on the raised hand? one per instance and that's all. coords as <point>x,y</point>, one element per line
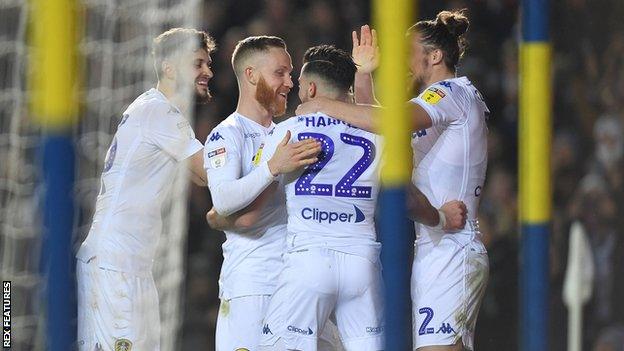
<point>289,157</point>
<point>365,50</point>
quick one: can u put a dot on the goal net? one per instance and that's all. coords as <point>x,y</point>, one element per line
<point>117,67</point>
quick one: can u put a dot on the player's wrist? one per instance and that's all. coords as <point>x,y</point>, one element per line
<point>442,220</point>
<point>273,169</point>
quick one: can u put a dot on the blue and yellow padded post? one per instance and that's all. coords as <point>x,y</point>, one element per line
<point>392,21</point>
<point>54,106</point>
<point>535,174</point>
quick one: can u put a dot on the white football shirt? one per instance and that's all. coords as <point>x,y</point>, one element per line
<point>450,158</point>
<point>332,202</point>
<point>151,139</point>
<point>251,259</point>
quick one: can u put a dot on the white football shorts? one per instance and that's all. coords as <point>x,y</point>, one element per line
<point>239,324</point>
<point>448,283</point>
<point>317,283</point>
<point>116,310</point>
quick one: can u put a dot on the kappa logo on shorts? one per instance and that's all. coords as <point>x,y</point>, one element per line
<point>266,330</point>
<point>123,345</point>
<point>299,330</point>
<point>446,328</point>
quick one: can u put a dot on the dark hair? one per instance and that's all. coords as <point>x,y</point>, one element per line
<point>250,45</point>
<point>333,65</point>
<point>179,40</point>
<point>446,33</point>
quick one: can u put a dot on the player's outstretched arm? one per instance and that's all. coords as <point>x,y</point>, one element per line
<point>361,116</point>
<point>450,217</point>
<point>196,165</point>
<point>365,54</point>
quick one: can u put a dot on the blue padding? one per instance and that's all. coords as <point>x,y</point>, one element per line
<point>57,156</point>
<point>396,235</point>
<point>534,273</point>
<point>535,20</point>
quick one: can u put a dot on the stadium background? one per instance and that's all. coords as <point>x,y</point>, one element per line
<point>588,114</point>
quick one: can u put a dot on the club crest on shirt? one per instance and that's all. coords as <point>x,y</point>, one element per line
<point>123,345</point>
<point>217,157</point>
<point>258,156</point>
<point>433,95</point>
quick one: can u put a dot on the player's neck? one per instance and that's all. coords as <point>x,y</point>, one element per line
<point>249,107</point>
<point>439,75</point>
<point>174,97</point>
<point>342,97</point>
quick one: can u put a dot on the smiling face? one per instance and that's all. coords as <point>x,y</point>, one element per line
<point>194,72</point>
<point>274,80</point>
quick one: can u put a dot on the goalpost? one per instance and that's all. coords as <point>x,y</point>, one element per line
<point>114,47</point>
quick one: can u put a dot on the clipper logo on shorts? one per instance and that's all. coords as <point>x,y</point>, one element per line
<point>123,345</point>
<point>299,330</point>
<point>330,217</point>
<point>374,330</point>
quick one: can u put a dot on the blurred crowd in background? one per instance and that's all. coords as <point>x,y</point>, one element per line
<point>587,158</point>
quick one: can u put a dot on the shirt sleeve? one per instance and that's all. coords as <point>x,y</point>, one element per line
<point>230,191</point>
<point>171,132</point>
<point>442,104</point>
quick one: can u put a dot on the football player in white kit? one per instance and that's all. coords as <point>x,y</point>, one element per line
<point>332,259</point>
<point>236,177</point>
<point>450,270</point>
<point>117,298</point>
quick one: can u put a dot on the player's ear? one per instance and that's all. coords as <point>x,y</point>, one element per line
<point>251,75</point>
<point>437,56</point>
<point>168,70</point>
<point>311,90</point>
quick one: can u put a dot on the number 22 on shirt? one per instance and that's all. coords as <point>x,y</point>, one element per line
<point>344,187</point>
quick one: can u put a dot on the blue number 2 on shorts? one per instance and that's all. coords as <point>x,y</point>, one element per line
<point>428,312</point>
<point>345,187</point>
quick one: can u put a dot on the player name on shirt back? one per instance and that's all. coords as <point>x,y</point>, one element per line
<point>321,121</point>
